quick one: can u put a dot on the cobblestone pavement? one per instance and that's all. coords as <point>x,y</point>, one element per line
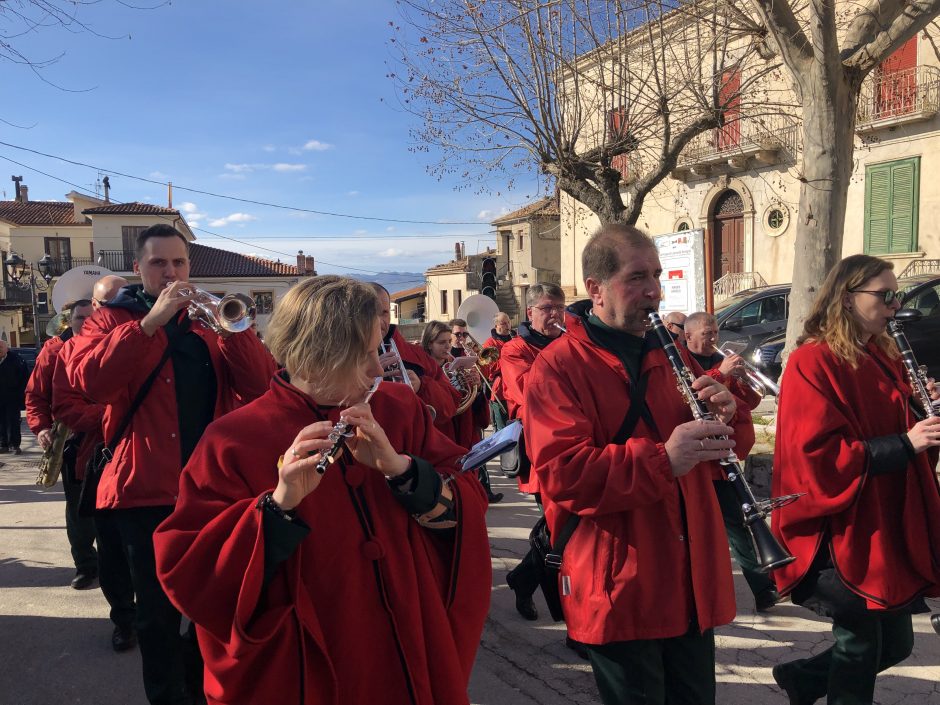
<point>55,644</point>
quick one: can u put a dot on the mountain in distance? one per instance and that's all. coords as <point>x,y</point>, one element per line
<point>393,281</point>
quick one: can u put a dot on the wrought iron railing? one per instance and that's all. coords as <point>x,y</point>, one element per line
<point>60,265</point>
<point>116,260</point>
<point>12,294</point>
<point>743,137</point>
<point>898,94</point>
<point>733,282</point>
<point>921,266</point>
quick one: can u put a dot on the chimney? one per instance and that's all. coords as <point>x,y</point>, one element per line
<point>24,194</point>
<point>311,266</point>
<point>301,262</point>
<point>463,250</point>
<point>169,194</point>
<point>16,182</point>
<point>106,182</point>
<point>456,251</point>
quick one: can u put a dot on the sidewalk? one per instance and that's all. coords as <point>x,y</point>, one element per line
<point>56,645</point>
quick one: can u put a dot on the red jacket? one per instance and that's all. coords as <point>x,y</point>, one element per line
<point>633,573</point>
<point>39,388</point>
<point>493,371</point>
<point>884,529</point>
<point>436,390</point>
<point>516,360</point>
<point>367,604</point>
<point>112,359</point>
<point>75,410</point>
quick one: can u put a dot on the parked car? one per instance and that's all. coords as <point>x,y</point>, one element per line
<point>28,355</point>
<point>921,292</point>
<point>753,315</point>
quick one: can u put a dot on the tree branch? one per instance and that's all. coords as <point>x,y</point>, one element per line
<point>882,28</point>
<point>783,26</point>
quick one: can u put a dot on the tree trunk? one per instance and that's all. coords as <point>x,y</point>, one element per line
<point>829,101</point>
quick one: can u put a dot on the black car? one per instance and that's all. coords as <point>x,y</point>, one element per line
<point>28,355</point>
<point>921,292</point>
<point>753,315</point>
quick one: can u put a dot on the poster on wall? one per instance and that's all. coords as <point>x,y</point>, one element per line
<point>683,279</point>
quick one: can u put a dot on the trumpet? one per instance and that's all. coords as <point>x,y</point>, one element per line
<point>485,356</point>
<point>395,372</point>
<point>757,380</point>
<point>233,313</point>
<point>770,554</point>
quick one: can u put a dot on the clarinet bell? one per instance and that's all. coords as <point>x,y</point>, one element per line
<point>768,551</point>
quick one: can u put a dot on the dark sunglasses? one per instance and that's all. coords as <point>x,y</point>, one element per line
<point>461,335</point>
<point>677,325</point>
<point>888,297</point>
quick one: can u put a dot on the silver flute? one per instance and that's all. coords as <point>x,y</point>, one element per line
<point>340,432</point>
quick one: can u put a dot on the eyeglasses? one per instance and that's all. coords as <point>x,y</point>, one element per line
<point>888,296</point>
<point>559,308</point>
<point>461,335</point>
<point>681,326</point>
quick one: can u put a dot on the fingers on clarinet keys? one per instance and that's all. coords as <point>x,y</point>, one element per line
<point>695,442</point>
<point>925,434</point>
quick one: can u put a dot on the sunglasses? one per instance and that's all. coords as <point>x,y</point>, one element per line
<point>681,326</point>
<point>888,296</point>
<point>461,335</point>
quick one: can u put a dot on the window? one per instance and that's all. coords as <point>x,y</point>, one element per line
<point>264,301</point>
<point>60,250</point>
<point>618,126</point>
<point>443,301</point>
<point>520,240</point>
<point>683,226</point>
<point>892,192</point>
<point>129,235</point>
<point>458,298</point>
<point>767,310</point>
<point>896,82</point>
<point>729,103</point>
<point>926,301</point>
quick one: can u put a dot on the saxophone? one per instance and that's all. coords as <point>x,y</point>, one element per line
<point>50,465</point>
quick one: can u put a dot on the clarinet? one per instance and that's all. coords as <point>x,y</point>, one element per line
<point>339,433</point>
<point>770,554</point>
<point>917,374</point>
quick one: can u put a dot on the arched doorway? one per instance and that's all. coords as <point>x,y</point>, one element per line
<point>727,241</point>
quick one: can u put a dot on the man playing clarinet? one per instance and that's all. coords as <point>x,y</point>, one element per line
<point>646,575</point>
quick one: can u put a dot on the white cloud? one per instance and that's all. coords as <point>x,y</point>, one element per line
<point>352,193</point>
<point>391,252</point>
<point>281,166</point>
<point>390,229</point>
<point>229,219</point>
<point>239,170</point>
<point>158,175</point>
<point>269,148</point>
<point>188,207</point>
<point>483,215</point>
<point>316,146</point>
<point>360,232</point>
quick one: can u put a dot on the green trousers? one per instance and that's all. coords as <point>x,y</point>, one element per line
<point>676,671</point>
<point>864,646</point>
<point>739,539</point>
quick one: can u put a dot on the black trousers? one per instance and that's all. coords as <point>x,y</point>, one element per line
<point>739,539</point>
<point>676,671</point>
<point>10,425</point>
<point>164,653</point>
<point>80,530</point>
<point>845,672</point>
<point>527,576</point>
<point>114,573</point>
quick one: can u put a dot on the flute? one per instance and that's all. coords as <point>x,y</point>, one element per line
<point>340,432</point>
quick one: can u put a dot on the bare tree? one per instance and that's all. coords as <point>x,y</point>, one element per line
<point>600,95</point>
<point>828,49</point>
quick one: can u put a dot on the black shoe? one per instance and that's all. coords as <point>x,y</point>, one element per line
<point>766,599</point>
<point>577,647</point>
<point>85,581</point>
<point>4,449</point>
<point>17,451</point>
<point>495,497</point>
<point>524,603</point>
<point>787,683</point>
<point>123,639</point>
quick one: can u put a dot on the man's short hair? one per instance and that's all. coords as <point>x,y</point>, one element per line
<point>379,289</point>
<point>158,230</point>
<point>457,322</point>
<point>700,318</point>
<point>675,317</point>
<point>540,289</point>
<point>600,259</point>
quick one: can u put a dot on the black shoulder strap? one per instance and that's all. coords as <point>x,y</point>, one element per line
<point>638,409</point>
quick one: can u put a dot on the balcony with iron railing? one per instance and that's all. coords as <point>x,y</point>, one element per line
<point>60,265</point>
<point>893,98</point>
<point>765,140</point>
<point>116,260</point>
<point>921,266</point>
<point>13,294</point>
<point>734,282</point>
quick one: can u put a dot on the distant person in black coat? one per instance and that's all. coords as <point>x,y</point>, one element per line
<point>13,378</point>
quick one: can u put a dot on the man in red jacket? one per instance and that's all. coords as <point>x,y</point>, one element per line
<point>85,418</point>
<point>501,334</point>
<point>202,375</point>
<point>39,416</point>
<point>646,574</point>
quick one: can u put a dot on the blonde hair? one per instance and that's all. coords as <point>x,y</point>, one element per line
<point>831,323</point>
<point>322,329</point>
<point>431,331</point>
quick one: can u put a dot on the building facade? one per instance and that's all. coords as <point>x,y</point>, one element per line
<point>450,283</point>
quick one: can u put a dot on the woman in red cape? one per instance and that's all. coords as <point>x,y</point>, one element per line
<point>366,584</point>
<point>866,533</point>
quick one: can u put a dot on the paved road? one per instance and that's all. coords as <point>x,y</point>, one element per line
<point>55,643</point>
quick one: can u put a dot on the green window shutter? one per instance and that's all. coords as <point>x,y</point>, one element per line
<point>891,206</point>
<point>903,205</point>
<point>877,209</point>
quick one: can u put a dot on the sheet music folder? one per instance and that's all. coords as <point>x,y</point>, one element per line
<point>489,448</point>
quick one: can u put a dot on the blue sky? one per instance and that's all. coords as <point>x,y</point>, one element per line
<point>283,102</point>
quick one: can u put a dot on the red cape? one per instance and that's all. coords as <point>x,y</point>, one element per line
<point>885,529</point>
<point>369,606</point>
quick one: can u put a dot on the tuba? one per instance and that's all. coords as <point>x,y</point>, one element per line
<point>50,465</point>
<point>465,381</point>
<point>233,313</point>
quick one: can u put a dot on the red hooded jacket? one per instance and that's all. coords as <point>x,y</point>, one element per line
<point>369,607</point>
<point>636,569</point>
<point>111,360</point>
<point>883,529</point>
<point>39,388</point>
<point>436,390</point>
<point>75,410</point>
<point>493,371</point>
